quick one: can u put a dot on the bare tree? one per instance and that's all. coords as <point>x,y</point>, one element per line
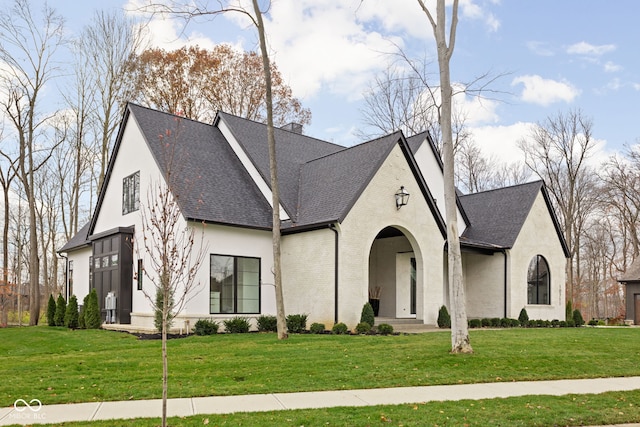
<point>557,150</point>
<point>189,12</point>
<point>460,342</point>
<point>28,48</point>
<point>7,175</point>
<point>172,254</point>
<point>104,47</point>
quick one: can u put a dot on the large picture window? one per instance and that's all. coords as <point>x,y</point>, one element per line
<point>131,193</point>
<point>538,281</point>
<point>234,285</point>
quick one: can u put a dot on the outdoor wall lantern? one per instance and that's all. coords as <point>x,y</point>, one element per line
<point>402,197</point>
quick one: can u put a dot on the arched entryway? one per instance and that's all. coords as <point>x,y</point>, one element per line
<point>395,275</point>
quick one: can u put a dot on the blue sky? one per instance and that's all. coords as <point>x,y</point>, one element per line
<point>555,56</point>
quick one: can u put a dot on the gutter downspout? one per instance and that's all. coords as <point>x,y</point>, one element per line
<point>66,276</point>
<point>504,252</point>
<point>333,228</point>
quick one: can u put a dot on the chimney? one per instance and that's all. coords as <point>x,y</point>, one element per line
<point>293,127</point>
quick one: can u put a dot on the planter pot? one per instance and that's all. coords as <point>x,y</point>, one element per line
<point>375,304</point>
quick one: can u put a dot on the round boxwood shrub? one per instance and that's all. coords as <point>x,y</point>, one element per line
<point>486,322</point>
<point>339,329</point>
<point>206,327</point>
<point>475,323</point>
<point>444,319</point>
<point>237,325</point>
<point>367,315</point>
<point>296,323</point>
<point>385,329</point>
<point>267,323</point>
<point>317,328</point>
<point>363,328</point>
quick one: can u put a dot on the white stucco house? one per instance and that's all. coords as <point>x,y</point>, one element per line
<point>343,231</point>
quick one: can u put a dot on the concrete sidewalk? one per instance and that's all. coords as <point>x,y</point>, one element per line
<point>28,412</point>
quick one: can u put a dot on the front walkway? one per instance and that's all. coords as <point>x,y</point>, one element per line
<point>32,414</point>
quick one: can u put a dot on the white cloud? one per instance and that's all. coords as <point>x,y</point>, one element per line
<point>501,142</point>
<point>475,109</point>
<point>539,48</point>
<point>584,48</point>
<point>611,67</point>
<point>471,10</point>
<point>538,90</point>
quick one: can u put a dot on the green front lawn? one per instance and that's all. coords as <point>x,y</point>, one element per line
<point>57,365</point>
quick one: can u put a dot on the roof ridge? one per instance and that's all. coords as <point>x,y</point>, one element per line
<point>359,145</point>
<point>539,181</point>
<point>153,110</point>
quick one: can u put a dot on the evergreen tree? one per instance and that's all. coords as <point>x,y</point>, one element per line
<point>92,318</point>
<point>71,315</point>
<point>51,311</point>
<point>444,318</point>
<point>61,307</point>
<point>367,315</point>
<point>83,310</point>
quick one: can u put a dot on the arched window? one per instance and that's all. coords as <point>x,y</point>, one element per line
<point>538,281</point>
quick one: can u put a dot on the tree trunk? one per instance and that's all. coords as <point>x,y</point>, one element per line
<point>459,330</point>
<point>273,169</point>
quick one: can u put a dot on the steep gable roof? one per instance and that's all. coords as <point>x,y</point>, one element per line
<point>78,241</point>
<point>632,274</point>
<point>497,216</point>
<point>292,151</point>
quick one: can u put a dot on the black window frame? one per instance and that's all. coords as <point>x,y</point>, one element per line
<point>235,284</point>
<point>131,193</point>
<point>537,283</point>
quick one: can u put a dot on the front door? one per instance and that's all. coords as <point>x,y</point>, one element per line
<point>636,298</point>
<point>405,285</point>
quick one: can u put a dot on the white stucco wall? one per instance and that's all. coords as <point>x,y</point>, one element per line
<point>484,284</point>
<point>537,237</point>
<point>374,211</point>
<point>80,258</point>
<point>434,177</point>
<point>308,275</point>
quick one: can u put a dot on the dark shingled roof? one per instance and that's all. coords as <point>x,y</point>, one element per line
<point>632,274</point>
<point>209,179</point>
<point>292,151</point>
<point>77,241</point>
<point>497,216</point>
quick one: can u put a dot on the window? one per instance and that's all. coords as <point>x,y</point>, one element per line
<point>538,281</point>
<point>234,285</point>
<point>139,274</point>
<point>131,193</point>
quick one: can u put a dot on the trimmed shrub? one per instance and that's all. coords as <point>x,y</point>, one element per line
<point>61,307</point>
<point>296,323</point>
<point>523,317</point>
<point>367,315</point>
<point>475,323</point>
<point>495,322</point>
<point>514,323</point>
<point>267,323</point>
<point>71,314</point>
<point>206,327</point>
<point>82,314</point>
<point>317,328</point>
<point>577,318</point>
<point>444,320</point>
<point>555,323</point>
<point>237,325</point>
<point>51,311</point>
<point>92,318</point>
<point>339,329</point>
<point>385,329</point>
<point>363,328</point>
<point>571,323</point>
<point>563,323</point>
<point>505,323</point>
<point>485,322</point>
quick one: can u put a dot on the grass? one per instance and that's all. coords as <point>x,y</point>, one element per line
<point>57,365</point>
